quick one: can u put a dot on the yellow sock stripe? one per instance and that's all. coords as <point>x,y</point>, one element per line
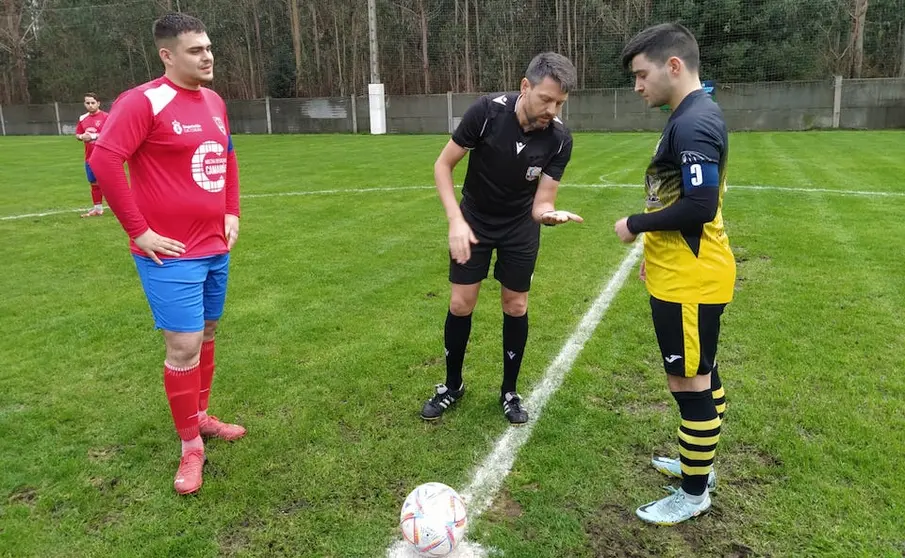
<point>697,455</point>
<point>696,470</point>
<point>691,338</point>
<point>721,408</point>
<point>695,441</point>
<point>701,425</point>
<point>719,393</point>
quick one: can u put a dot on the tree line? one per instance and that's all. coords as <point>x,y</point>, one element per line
<point>58,49</point>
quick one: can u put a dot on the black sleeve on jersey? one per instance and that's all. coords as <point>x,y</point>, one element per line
<point>468,133</point>
<point>700,144</point>
<point>694,208</point>
<point>557,166</point>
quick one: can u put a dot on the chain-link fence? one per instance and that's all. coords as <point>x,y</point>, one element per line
<point>791,105</point>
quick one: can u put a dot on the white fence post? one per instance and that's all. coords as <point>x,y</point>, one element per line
<point>837,101</point>
<point>378,108</point>
<point>2,120</point>
<point>267,110</point>
<point>56,109</point>
<point>354,115</point>
<point>449,112</point>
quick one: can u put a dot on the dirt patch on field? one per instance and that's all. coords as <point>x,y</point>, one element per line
<point>505,508</point>
<point>26,495</point>
<point>104,453</point>
<point>237,538</point>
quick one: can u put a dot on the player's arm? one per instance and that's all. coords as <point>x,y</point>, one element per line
<point>699,151</point>
<point>126,130</point>
<point>80,132</point>
<point>231,221</point>
<point>544,209</point>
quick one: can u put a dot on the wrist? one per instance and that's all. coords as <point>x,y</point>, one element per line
<point>631,225</point>
<point>141,234</point>
<point>455,217</point>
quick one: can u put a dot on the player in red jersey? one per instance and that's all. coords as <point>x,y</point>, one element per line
<point>182,216</point>
<point>88,130</point>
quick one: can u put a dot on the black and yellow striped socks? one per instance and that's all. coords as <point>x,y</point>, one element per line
<point>698,438</point>
<point>719,394</point>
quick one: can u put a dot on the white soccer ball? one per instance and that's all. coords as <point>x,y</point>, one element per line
<point>433,519</point>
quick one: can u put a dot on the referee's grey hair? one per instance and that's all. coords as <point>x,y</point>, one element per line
<point>554,66</point>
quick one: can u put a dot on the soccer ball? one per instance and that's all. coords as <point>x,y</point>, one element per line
<point>433,519</point>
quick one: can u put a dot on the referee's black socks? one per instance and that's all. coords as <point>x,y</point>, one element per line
<point>515,337</point>
<point>455,337</point>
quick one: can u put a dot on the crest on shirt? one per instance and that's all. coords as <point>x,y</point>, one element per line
<point>652,183</point>
<point>533,173</point>
<point>219,122</point>
<point>177,127</point>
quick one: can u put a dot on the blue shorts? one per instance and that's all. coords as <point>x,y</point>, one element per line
<point>183,294</point>
<point>91,178</point>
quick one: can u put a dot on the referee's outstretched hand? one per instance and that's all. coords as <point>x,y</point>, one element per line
<point>558,217</point>
<point>461,238</point>
<point>152,244</point>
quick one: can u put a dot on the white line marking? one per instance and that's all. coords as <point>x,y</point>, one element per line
<point>867,193</point>
<point>489,476</point>
<point>44,214</point>
<point>338,191</point>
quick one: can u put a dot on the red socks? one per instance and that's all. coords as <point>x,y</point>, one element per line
<point>207,373</point>
<point>182,386</point>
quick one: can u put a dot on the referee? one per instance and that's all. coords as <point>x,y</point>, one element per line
<point>519,152</point>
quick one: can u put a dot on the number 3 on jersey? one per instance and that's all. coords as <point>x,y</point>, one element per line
<point>697,175</point>
<point>704,174</point>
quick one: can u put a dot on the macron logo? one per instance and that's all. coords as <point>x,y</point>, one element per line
<point>518,147</point>
<point>501,100</point>
<point>672,358</point>
<point>511,354</point>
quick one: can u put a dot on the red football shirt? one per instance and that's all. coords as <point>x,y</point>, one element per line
<point>91,123</point>
<point>183,172</point>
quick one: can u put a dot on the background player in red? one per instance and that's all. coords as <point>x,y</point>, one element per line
<point>88,130</point>
<point>182,216</point>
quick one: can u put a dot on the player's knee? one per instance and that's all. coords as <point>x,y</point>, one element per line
<point>693,383</point>
<point>183,349</point>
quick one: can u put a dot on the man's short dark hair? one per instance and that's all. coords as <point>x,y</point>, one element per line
<point>93,96</point>
<point>174,24</point>
<point>554,66</point>
<point>660,43</point>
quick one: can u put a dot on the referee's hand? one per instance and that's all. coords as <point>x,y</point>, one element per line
<point>559,217</point>
<point>461,238</point>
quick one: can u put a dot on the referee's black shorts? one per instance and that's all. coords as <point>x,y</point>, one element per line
<point>516,246</point>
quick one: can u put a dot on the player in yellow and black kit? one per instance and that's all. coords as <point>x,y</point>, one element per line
<point>688,266</point>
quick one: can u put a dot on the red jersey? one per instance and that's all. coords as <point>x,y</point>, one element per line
<point>91,123</point>
<point>183,172</point>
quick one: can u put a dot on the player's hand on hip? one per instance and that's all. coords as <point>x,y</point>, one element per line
<point>642,273</point>
<point>152,244</point>
<point>621,228</point>
<point>559,217</point>
<point>231,230</point>
<point>461,237</point>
